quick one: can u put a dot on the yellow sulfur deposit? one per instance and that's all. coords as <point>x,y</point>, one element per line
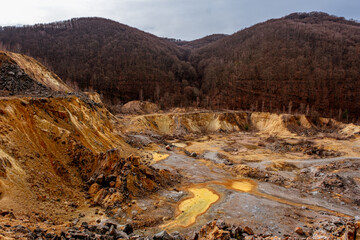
<point>193,207</point>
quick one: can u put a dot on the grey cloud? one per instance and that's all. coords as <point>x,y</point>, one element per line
<point>189,19</point>
<point>182,19</point>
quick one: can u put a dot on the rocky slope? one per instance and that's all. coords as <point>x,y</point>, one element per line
<point>215,230</point>
<point>63,152</point>
<point>40,137</point>
<point>209,122</point>
<point>23,75</point>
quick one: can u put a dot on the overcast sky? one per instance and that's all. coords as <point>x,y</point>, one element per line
<point>181,19</point>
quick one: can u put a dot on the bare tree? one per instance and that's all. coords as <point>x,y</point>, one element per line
<point>157,92</point>
<point>290,106</point>
<point>340,112</point>
<point>141,94</point>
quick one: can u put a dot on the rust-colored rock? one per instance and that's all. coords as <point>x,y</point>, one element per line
<point>127,176</point>
<point>212,232</point>
<point>94,189</point>
<point>350,231</point>
<point>248,230</point>
<point>99,196</point>
<point>112,199</point>
<point>299,231</point>
<point>118,182</point>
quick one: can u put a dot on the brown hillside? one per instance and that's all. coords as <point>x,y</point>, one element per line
<point>119,62</point>
<point>304,62</point>
<point>201,42</point>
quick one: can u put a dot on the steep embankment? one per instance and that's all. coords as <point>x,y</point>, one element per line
<point>62,152</point>
<point>39,72</point>
<point>185,123</point>
<point>181,124</point>
<point>38,139</point>
<point>54,149</point>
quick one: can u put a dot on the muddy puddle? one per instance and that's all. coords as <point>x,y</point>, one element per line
<point>243,185</point>
<point>159,156</point>
<point>204,196</point>
<point>179,144</point>
<point>200,201</point>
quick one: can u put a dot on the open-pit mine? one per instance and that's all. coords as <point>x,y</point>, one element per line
<point>70,169</point>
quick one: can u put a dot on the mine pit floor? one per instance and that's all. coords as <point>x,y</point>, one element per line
<point>236,177</point>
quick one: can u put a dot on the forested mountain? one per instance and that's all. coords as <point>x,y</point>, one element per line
<point>198,43</point>
<point>304,62</point>
<point>120,62</point>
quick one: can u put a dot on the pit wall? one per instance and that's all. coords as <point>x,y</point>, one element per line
<point>215,122</point>
<point>40,140</point>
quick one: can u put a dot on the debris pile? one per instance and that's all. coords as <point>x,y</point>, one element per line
<point>118,179</point>
<point>14,81</point>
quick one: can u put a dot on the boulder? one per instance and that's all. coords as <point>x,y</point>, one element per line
<point>163,235</point>
<point>299,231</point>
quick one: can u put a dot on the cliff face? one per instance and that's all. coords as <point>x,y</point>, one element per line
<point>267,124</point>
<point>307,63</point>
<point>39,137</point>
